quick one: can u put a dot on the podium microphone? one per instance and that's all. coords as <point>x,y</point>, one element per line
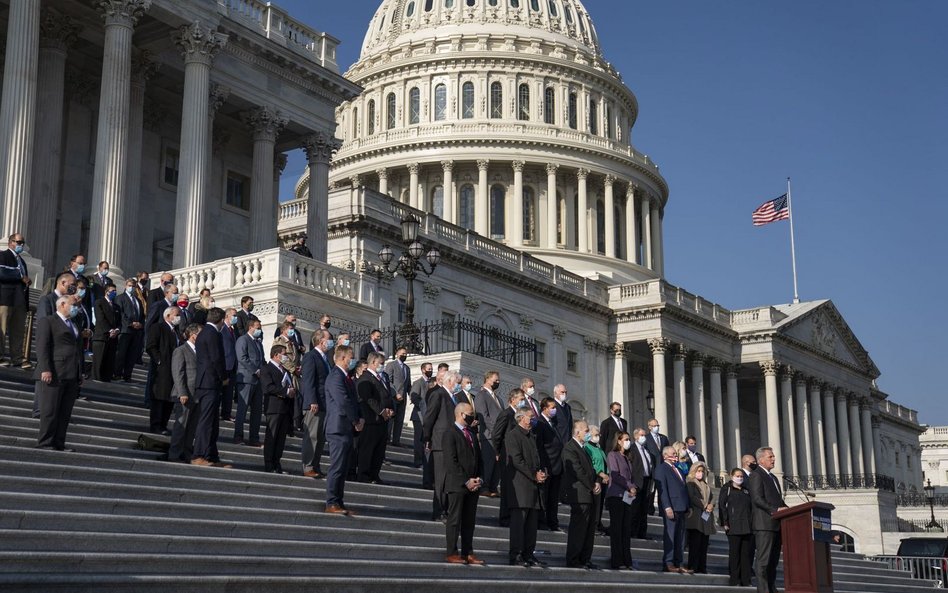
<point>795,486</point>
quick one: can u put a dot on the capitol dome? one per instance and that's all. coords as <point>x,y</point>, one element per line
<point>503,117</point>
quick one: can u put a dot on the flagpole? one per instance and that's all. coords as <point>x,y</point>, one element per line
<point>793,250</point>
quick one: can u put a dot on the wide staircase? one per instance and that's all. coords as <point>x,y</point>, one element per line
<point>110,517</point>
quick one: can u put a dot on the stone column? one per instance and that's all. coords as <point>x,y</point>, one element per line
<point>279,164</point>
<point>842,432</point>
<point>552,205</point>
<point>876,442</point>
<point>620,379</point>
<point>610,216</point>
<point>818,442</point>
<point>761,415</point>
<point>697,400</point>
<point>413,197</point>
<point>733,416</point>
<point>829,432</point>
<point>57,35</point>
<point>447,167</point>
<point>647,260</point>
<point>482,205</point>
<point>788,426</point>
<point>803,428</point>
<point>716,430</point>
<point>111,152</point>
<point>855,435</point>
<point>265,123</point>
<point>582,213</point>
<point>383,180</point>
<point>681,394</point>
<point>631,226</point>
<point>868,443</point>
<point>319,148</point>
<point>18,113</point>
<point>771,410</point>
<point>198,45</point>
<point>514,233</point>
<point>658,346</point>
<point>657,255</point>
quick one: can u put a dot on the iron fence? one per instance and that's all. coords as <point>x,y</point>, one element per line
<point>840,482</point>
<point>928,569</point>
<point>901,525</point>
<point>918,499</point>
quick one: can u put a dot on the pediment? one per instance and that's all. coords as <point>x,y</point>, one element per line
<point>824,330</point>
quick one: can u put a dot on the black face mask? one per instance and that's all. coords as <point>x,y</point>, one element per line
<point>617,413</point>
<point>426,374</point>
<point>71,290</point>
<point>403,358</point>
<point>469,419</point>
<point>753,466</point>
<point>495,385</point>
<point>326,325</point>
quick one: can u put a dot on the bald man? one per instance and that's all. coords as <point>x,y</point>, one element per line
<point>462,483</point>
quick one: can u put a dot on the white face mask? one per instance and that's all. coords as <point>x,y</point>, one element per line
<point>626,445</point>
<point>594,439</point>
<point>641,439</point>
<point>737,481</point>
<point>654,429</point>
<point>531,391</point>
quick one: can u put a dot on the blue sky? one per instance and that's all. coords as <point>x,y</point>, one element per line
<point>849,98</point>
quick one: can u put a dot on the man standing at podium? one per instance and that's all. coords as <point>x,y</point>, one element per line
<point>766,500</point>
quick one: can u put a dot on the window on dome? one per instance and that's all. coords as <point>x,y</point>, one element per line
<point>535,5</point>
<point>466,207</point>
<point>497,195</point>
<point>429,4</point>
<point>523,102</point>
<point>390,111</point>
<point>371,112</point>
<point>582,26</point>
<point>467,100</point>
<point>492,2</point>
<point>529,215</point>
<point>449,3</point>
<point>440,102</point>
<point>600,227</point>
<point>496,100</point>
<point>471,2</point>
<point>549,105</point>
<point>572,110</point>
<point>553,10</point>
<point>593,116</point>
<point>569,14</point>
<point>514,3</point>
<point>381,22</point>
<point>355,122</point>
<point>414,106</point>
<point>410,10</point>
<point>437,201</point>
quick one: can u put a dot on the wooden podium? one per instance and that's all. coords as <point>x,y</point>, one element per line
<point>806,532</point>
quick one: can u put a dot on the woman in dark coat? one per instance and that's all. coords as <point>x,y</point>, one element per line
<point>700,521</point>
<point>734,515</point>
<point>621,489</point>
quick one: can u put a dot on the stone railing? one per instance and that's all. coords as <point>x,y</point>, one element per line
<point>276,24</point>
<point>656,292</point>
<point>901,412</point>
<point>293,209</point>
<point>937,430</point>
<point>763,315</point>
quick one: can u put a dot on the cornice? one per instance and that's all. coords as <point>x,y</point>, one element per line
<point>777,337</point>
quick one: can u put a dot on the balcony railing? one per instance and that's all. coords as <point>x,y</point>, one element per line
<point>840,482</point>
<point>917,499</point>
<point>463,335</point>
<point>900,525</point>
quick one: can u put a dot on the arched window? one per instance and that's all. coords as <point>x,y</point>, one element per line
<point>429,4</point>
<point>496,100</point>
<point>492,2</point>
<point>497,211</point>
<point>569,15</point>
<point>355,122</point>
<point>466,208</point>
<point>390,111</point>
<point>471,2</point>
<point>467,100</point>
<point>411,9</point>
<point>529,215</point>
<point>593,116</point>
<point>440,102</point>
<point>514,3</point>
<point>449,3</point>
<point>609,122</point>
<point>549,105</point>
<point>437,201</point>
<point>414,105</point>
<point>535,5</point>
<point>523,102</point>
<point>600,227</point>
<point>572,110</point>
<point>371,117</point>
<point>553,10</point>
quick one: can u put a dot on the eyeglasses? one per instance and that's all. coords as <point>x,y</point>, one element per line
<point>20,242</point>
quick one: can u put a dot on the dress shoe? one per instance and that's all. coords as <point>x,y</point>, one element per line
<point>201,461</point>
<point>591,566</point>
<point>575,565</point>
<point>238,440</point>
<point>26,366</point>
<point>255,444</point>
<point>311,473</point>
<point>5,363</point>
<point>519,561</point>
<point>534,561</point>
<point>455,559</point>
<point>335,509</point>
<point>556,530</point>
<point>684,570</point>
<point>474,560</point>
<point>65,449</point>
<point>379,482</point>
<point>671,568</point>
<point>166,433</point>
<point>222,464</point>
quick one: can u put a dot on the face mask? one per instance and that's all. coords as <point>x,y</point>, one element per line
<point>104,273</point>
<point>562,399</point>
<point>175,321</point>
<point>71,289</point>
<point>402,358</point>
<point>284,359</point>
<point>654,429</point>
<point>18,249</point>
<point>346,343</point>
<point>522,404</point>
<point>327,324</point>
<point>594,440</point>
<point>467,387</point>
<point>468,419</point>
<point>587,437</point>
<point>753,466</point>
<point>129,290</point>
<point>257,333</point>
<point>249,307</point>
<point>617,413</point>
<point>330,344</point>
<point>183,304</point>
<point>234,319</point>
<point>737,480</point>
<point>174,298</point>
<point>110,294</point>
<point>494,385</point>
<point>352,364</point>
<point>80,268</point>
<point>427,374</point>
<point>552,412</point>
<point>533,421</point>
<point>699,476</point>
<point>640,440</point>
<point>144,283</point>
<point>456,388</point>
<point>530,392</point>
<point>626,445</point>
<point>73,311</point>
<point>212,304</point>
<point>163,284</point>
<point>81,292</point>
<point>692,448</point>
<point>291,333</point>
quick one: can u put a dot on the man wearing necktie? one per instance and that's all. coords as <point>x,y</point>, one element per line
<point>59,360</point>
<point>400,376</point>
<point>439,418</point>
<point>766,500</point>
<point>674,503</point>
<point>14,300</point>
<point>162,340</point>
<point>316,367</point>
<point>488,407</point>
<point>376,404</point>
<point>343,421</point>
<point>278,395</point>
<point>462,481</point>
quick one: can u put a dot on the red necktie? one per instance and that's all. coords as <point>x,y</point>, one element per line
<point>467,435</point>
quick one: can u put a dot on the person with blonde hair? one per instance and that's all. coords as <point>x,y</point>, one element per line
<point>700,521</point>
<point>683,461</point>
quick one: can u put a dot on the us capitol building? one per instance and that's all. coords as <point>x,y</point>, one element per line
<point>152,133</point>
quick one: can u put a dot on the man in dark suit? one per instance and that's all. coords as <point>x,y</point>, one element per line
<point>65,284</point>
<point>161,343</point>
<point>674,504</point>
<point>550,448</point>
<point>158,292</point>
<point>581,489</point>
<point>419,389</point>
<point>244,315</point>
<point>77,267</point>
<point>155,311</point>
<point>278,396</point>
<point>400,375</point>
<point>462,481</point>
<point>211,375</point>
<point>488,407</point>
<point>656,443</point>
<point>186,412</point>
<point>316,367</point>
<point>229,339</point>
<point>643,467</point>
<point>373,345</point>
<point>100,281</point>
<point>692,447</point>
<point>438,419</point>
<point>59,360</point>
<point>765,501</point>
<point>523,477</point>
<point>564,413</point>
<point>611,426</point>
<point>108,322</point>
<point>250,359</point>
<point>516,400</point>
<point>14,300</point>
<point>343,420</point>
<point>131,331</point>
<point>376,406</point>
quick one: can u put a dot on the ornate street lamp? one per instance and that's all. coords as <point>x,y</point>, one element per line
<point>650,401</point>
<point>409,263</point>
<point>933,525</point>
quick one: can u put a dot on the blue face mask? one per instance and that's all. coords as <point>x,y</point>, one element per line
<point>234,319</point>
<point>129,290</point>
<point>81,292</point>
<point>330,343</point>
<point>18,249</point>
<point>80,268</point>
<point>291,333</point>
<point>352,364</point>
<point>110,294</point>
<point>552,412</point>
<point>586,437</point>
<point>344,342</point>
<point>73,310</point>
<point>522,404</point>
<point>456,389</point>
<point>533,421</point>
<point>257,333</point>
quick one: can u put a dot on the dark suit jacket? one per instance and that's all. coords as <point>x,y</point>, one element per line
<point>608,431</point>
<point>638,466</point>
<point>654,449</point>
<point>313,382</point>
<point>373,398</point>
<point>229,342</point>
<point>439,416</point>
<point>58,350</point>
<point>579,476</point>
<point>461,461</point>
<point>550,447</point>
<point>505,423</point>
<point>342,403</point>
<point>766,499</point>
<point>155,295</point>
<point>12,290</point>
<point>243,320</point>
<point>734,510</point>
<point>672,492</point>
<point>160,344</point>
<point>620,474</point>
<point>210,359</point>
<point>46,306</point>
<point>366,349</point>
<point>107,317</point>
<point>563,422</point>
<point>275,397</point>
<point>523,463</point>
<point>129,312</point>
<point>155,312</point>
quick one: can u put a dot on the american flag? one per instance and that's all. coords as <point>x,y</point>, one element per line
<point>771,211</point>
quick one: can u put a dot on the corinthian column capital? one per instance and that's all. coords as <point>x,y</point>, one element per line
<point>319,147</point>
<point>482,164</point>
<point>517,166</point>
<point>658,345</point>
<point>122,12</point>
<point>551,168</point>
<point>58,31</point>
<point>769,367</point>
<point>582,174</point>
<point>447,166</point>
<point>198,43</point>
<point>265,122</point>
<point>144,67</point>
<point>608,180</point>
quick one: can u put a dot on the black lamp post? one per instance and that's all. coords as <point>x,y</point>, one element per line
<point>410,262</point>
<point>933,525</point>
<point>650,402</point>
